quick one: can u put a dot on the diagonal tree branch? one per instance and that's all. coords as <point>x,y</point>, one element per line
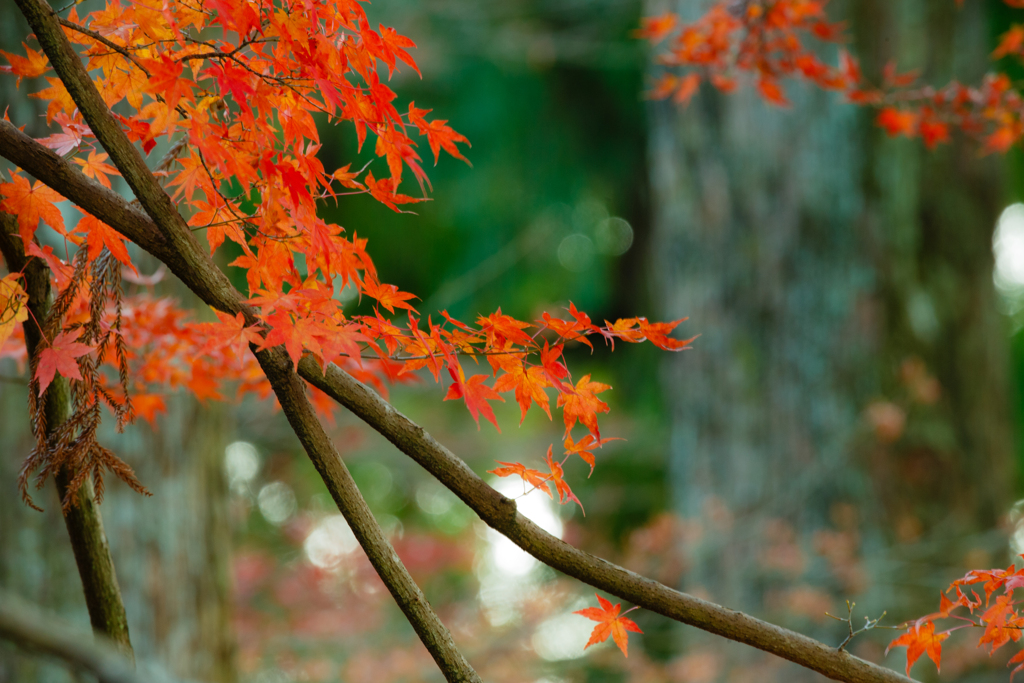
<point>34,630</point>
<point>198,271</point>
<point>82,519</point>
<point>495,509</point>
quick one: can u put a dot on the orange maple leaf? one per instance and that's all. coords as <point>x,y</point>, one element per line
<point>13,309</point>
<point>581,403</point>
<point>528,382</point>
<point>534,477</point>
<point>32,65</point>
<point>388,295</point>
<point>30,203</point>
<point>585,447</point>
<point>94,167</point>
<point>99,235</point>
<point>476,394</point>
<point>564,492</point>
<point>657,334</point>
<point>610,624</point>
<point>920,639</point>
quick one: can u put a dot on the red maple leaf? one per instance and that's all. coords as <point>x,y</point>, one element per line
<point>384,192</point>
<point>610,624</point>
<point>60,357</point>
<point>476,394</point>
<point>231,333</point>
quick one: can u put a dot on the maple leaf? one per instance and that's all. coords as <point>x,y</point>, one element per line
<point>388,295</point>
<point>585,447</point>
<point>581,403</point>
<point>657,334</point>
<point>12,306</point>
<point>230,332</point>
<point>564,492</point>
<point>384,192</point>
<point>148,405</point>
<point>529,386</point>
<point>100,235</point>
<point>656,29</point>
<point>60,357</point>
<point>439,136</point>
<point>293,332</point>
<point>610,623</point>
<point>32,65</point>
<point>94,167</point>
<point>476,394</point>
<point>536,478</point>
<point>920,639</point>
<point>346,178</point>
<point>30,203</point>
<point>554,369</point>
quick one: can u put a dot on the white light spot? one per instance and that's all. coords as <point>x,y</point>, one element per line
<point>563,636</point>
<point>241,463</point>
<point>277,502</point>
<point>329,543</point>
<point>507,557</point>
<point>576,252</point>
<point>1008,247</point>
<point>614,236</point>
<point>506,572</point>
<point>434,499</point>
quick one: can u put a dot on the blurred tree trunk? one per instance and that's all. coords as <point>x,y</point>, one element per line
<point>833,274</point>
<point>171,551</point>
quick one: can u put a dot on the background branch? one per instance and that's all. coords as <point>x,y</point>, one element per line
<point>82,518</point>
<point>32,629</point>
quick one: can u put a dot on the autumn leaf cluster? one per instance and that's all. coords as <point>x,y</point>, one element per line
<point>770,41</point>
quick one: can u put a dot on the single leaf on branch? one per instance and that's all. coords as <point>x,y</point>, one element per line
<point>59,357</point>
<point>610,623</point>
